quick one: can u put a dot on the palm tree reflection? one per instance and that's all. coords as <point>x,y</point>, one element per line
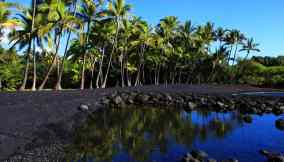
<point>139,132</point>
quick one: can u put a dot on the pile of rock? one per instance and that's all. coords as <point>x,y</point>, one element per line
<point>190,102</point>
<point>201,156</point>
<point>272,157</point>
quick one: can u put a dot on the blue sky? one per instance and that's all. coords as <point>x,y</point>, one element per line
<point>260,19</point>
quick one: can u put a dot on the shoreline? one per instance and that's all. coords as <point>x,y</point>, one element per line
<point>44,121</point>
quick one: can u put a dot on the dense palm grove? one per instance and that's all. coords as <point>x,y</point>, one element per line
<point>57,44</point>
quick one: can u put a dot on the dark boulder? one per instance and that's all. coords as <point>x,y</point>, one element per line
<point>142,98</point>
<point>279,124</point>
<point>189,158</point>
<point>211,160</point>
<point>199,154</point>
<point>272,157</point>
<point>247,119</point>
<point>190,106</point>
<point>168,97</point>
<point>230,160</point>
<point>117,100</point>
<point>105,101</point>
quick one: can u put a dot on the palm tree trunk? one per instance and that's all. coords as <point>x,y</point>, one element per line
<point>0,84</point>
<point>92,75</point>
<point>23,86</point>
<point>58,82</point>
<point>110,58</point>
<point>138,75</point>
<point>127,71</point>
<point>83,74</point>
<point>235,54</point>
<point>84,58</point>
<point>140,66</point>
<point>52,64</point>
<point>158,74</point>
<point>59,78</point>
<point>128,79</point>
<point>34,68</point>
<point>99,75</point>
<point>143,73</point>
<point>34,59</point>
<point>122,69</point>
<point>247,55</point>
<point>230,53</point>
<point>179,77</point>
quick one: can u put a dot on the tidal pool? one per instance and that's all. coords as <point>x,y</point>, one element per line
<point>165,135</point>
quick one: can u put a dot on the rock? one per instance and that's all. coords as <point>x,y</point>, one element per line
<point>221,104</point>
<point>83,107</point>
<point>279,124</point>
<point>198,154</point>
<point>155,100</point>
<point>278,110</point>
<point>252,103</point>
<point>117,100</point>
<point>268,110</point>
<point>247,119</point>
<point>130,101</point>
<point>211,160</point>
<point>132,94</point>
<point>191,106</point>
<point>272,157</point>
<point>143,99</point>
<point>124,96</point>
<point>230,160</point>
<point>188,158</point>
<point>278,158</point>
<point>271,102</point>
<point>264,152</point>
<point>105,101</point>
<point>168,97</point>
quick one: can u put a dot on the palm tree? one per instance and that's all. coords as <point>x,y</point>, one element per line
<point>28,34</point>
<point>60,21</point>
<point>167,30</point>
<point>186,32</point>
<point>100,37</point>
<point>88,13</point>
<point>4,16</point>
<point>5,13</point>
<point>58,82</point>
<point>186,36</point>
<point>249,46</point>
<point>234,38</point>
<point>118,11</point>
<point>126,33</point>
<point>143,39</point>
<point>220,34</point>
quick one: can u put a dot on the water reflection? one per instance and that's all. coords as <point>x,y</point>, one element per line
<point>138,134</point>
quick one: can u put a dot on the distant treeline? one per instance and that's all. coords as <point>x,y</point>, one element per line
<point>269,61</point>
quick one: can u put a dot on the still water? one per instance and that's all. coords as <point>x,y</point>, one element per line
<point>271,94</point>
<point>165,135</point>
